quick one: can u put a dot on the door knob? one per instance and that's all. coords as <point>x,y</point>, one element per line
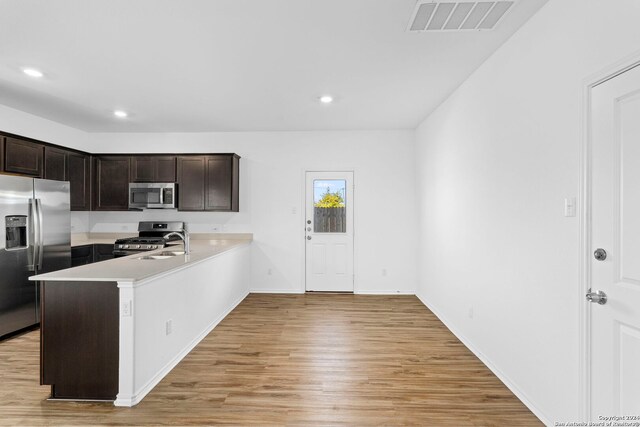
<point>598,296</point>
<point>308,237</point>
<point>600,254</point>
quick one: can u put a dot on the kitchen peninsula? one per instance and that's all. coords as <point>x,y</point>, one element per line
<point>112,330</point>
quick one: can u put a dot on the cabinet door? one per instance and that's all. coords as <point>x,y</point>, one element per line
<point>222,183</point>
<point>218,183</point>
<point>2,153</point>
<point>191,177</point>
<point>79,176</point>
<point>23,157</point>
<point>142,169</point>
<point>112,183</point>
<point>81,255</point>
<point>102,252</point>
<point>153,169</point>
<point>55,164</point>
<point>165,169</point>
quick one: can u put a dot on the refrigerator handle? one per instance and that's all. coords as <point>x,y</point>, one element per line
<point>33,235</point>
<point>40,234</point>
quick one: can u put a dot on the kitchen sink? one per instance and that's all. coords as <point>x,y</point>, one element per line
<point>162,255</point>
<point>171,253</point>
<point>152,257</point>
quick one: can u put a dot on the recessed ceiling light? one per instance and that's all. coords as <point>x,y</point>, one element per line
<point>120,113</point>
<point>326,99</point>
<point>32,72</point>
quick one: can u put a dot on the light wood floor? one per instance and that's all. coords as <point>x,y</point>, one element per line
<point>315,359</point>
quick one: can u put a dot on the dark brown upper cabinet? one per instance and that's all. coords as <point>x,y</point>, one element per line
<point>111,183</point>
<point>55,164</point>
<point>191,182</point>
<point>208,183</point>
<point>153,169</point>
<point>23,157</point>
<point>221,185</point>
<point>2,153</point>
<point>79,176</point>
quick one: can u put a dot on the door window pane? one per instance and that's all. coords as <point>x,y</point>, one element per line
<point>329,206</point>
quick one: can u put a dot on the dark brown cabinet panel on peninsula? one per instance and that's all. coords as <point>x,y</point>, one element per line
<point>23,157</point>
<point>111,189</point>
<point>79,347</point>
<point>55,164</point>
<point>79,175</point>
<point>221,186</point>
<point>191,179</point>
<point>153,169</point>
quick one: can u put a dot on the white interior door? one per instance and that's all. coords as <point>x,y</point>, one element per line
<point>615,325</point>
<point>329,231</point>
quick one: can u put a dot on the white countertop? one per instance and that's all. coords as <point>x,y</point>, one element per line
<point>133,269</point>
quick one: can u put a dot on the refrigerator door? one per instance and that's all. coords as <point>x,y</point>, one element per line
<point>54,219</point>
<point>17,294</point>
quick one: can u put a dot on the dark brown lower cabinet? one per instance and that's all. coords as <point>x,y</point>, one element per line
<point>88,254</point>
<point>79,334</point>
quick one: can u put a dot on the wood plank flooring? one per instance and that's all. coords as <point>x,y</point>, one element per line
<point>296,360</point>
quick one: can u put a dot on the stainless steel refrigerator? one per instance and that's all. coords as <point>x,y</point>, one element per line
<point>35,238</point>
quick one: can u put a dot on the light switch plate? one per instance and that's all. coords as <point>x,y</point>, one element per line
<point>570,206</point>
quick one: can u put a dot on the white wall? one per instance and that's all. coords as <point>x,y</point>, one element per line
<point>25,124</point>
<point>271,199</point>
<point>147,352</point>
<point>494,164</point>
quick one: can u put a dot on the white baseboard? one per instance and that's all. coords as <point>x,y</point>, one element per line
<point>357,292</point>
<point>145,389</point>
<point>276,291</point>
<point>497,372</point>
<point>382,292</point>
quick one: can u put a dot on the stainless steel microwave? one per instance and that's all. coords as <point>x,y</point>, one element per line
<point>153,195</point>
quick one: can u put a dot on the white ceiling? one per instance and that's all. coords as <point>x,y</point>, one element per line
<point>234,65</point>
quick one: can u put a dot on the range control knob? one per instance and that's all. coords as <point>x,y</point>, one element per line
<point>137,246</point>
<point>126,246</point>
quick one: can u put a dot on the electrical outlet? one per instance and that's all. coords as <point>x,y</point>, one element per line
<point>470,312</point>
<point>126,308</point>
<point>169,326</point>
<point>294,210</point>
<point>384,272</point>
<point>269,272</point>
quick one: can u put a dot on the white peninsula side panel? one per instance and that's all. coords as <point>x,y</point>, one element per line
<point>193,300</point>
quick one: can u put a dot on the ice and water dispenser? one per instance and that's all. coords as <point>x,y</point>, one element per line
<point>16,232</point>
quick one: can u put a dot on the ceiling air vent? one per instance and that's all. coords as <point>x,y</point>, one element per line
<point>457,16</point>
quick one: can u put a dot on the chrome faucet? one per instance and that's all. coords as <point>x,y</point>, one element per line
<point>184,236</point>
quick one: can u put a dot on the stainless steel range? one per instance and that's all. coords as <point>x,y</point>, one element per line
<point>151,236</point>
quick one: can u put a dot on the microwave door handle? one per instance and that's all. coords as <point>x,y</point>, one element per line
<point>162,196</point>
